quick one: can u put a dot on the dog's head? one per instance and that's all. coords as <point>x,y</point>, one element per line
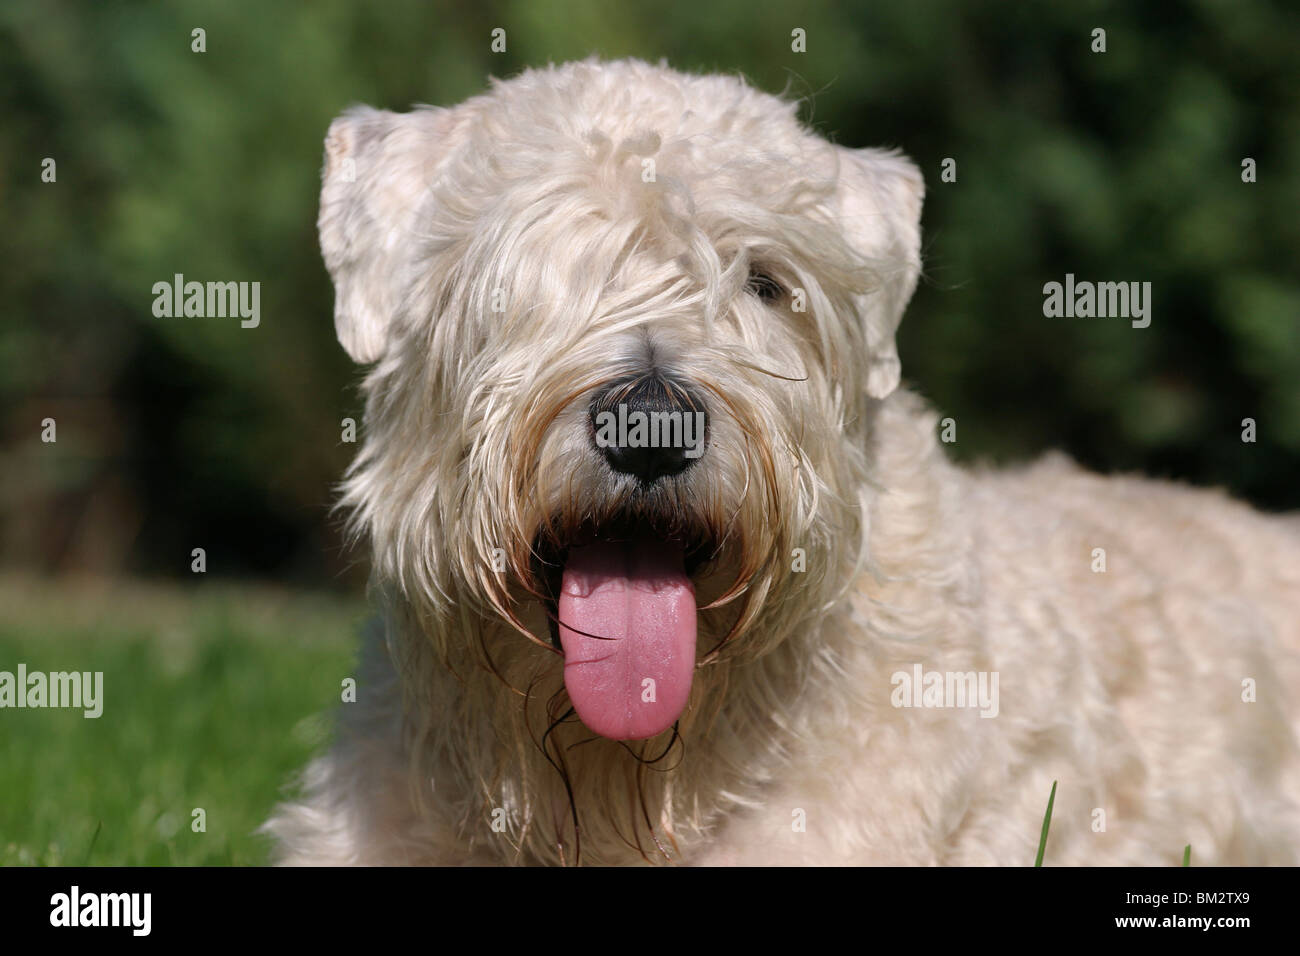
<point>629,330</point>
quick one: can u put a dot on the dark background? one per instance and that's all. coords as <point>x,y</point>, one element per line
<point>180,433</point>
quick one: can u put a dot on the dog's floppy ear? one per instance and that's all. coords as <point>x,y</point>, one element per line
<point>378,167</point>
<point>880,195</point>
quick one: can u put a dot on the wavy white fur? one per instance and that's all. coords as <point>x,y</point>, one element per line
<point>501,260</point>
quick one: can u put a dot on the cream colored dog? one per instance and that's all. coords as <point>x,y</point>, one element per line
<point>673,570</point>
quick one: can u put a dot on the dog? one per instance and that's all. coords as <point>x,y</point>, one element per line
<point>671,569</point>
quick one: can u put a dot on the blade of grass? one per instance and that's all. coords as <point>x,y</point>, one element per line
<point>91,849</point>
<point>1187,855</point>
<point>1047,822</point>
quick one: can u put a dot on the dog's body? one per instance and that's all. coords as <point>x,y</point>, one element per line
<point>599,235</point>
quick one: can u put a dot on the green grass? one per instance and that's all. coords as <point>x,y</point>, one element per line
<point>1047,823</point>
<point>213,696</point>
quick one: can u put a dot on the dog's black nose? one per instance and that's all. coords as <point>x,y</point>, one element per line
<point>649,426</point>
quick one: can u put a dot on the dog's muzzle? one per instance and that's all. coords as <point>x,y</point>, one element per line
<point>619,587</point>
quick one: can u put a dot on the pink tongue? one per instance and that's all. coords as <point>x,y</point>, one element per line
<point>636,594</point>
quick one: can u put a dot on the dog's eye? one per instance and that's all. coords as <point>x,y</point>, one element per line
<point>764,286</point>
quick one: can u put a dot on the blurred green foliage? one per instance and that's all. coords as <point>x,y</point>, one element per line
<point>212,699</point>
<point>178,433</point>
